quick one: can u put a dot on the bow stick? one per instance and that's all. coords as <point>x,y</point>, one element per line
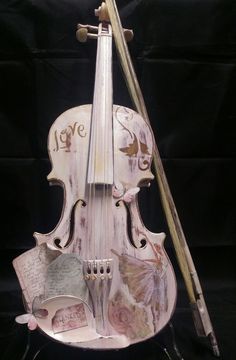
<point>198,306</point>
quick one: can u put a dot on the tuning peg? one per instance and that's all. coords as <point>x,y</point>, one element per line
<point>82,34</point>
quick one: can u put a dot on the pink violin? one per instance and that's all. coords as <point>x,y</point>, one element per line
<point>101,155</point>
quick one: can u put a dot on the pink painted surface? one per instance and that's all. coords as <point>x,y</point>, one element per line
<point>101,155</point>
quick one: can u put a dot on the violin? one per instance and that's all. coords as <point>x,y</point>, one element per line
<point>120,287</point>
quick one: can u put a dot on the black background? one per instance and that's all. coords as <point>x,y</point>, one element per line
<point>184,54</point>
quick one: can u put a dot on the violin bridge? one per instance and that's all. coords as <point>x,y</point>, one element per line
<point>98,277</point>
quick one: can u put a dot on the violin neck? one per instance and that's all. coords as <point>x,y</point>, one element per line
<point>100,166</point>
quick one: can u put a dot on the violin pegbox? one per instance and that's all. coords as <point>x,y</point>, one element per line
<point>85,32</point>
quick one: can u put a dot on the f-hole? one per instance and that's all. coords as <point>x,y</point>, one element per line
<point>143,241</point>
<point>57,241</point>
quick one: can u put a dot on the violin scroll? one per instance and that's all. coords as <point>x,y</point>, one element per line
<point>102,13</point>
<point>88,31</point>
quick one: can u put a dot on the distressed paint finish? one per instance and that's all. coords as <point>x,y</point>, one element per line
<point>69,167</point>
<point>131,284</point>
<point>69,170</point>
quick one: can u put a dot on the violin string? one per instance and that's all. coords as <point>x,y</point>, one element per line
<point>91,247</point>
<point>102,188</point>
<point>89,222</point>
<point>95,143</point>
<point>93,204</point>
<point>109,212</point>
<point>107,127</point>
<point>104,237</point>
<point>106,133</point>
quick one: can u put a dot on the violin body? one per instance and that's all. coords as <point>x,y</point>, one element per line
<point>120,287</point>
<point>136,299</point>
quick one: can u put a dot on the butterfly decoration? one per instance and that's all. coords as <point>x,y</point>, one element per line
<point>127,196</point>
<point>146,280</point>
<point>31,318</point>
